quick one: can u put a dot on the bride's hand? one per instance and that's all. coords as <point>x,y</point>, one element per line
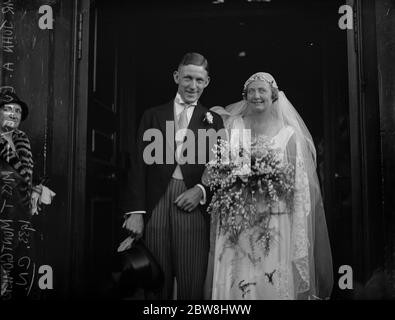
<point>279,207</point>
<point>205,177</point>
<point>189,199</point>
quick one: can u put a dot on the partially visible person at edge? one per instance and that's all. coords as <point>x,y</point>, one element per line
<point>16,230</point>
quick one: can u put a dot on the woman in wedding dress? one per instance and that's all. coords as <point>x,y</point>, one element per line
<point>298,262</point>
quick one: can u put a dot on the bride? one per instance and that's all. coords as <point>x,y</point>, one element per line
<point>298,263</point>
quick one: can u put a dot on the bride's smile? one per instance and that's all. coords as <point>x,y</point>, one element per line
<point>259,96</point>
<point>260,117</point>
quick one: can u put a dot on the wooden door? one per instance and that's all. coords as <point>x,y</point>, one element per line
<point>102,150</point>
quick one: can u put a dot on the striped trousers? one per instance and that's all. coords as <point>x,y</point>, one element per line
<point>179,240</point>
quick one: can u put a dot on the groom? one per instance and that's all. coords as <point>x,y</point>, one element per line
<point>166,199</point>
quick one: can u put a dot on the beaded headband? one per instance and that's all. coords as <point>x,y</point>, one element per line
<point>263,76</point>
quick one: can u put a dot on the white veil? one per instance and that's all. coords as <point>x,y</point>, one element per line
<point>314,270</point>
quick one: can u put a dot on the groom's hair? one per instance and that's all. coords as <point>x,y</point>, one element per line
<point>196,59</point>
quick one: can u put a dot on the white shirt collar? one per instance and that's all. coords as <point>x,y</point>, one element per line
<point>178,100</point>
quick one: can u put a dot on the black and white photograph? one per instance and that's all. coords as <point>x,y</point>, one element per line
<point>209,153</point>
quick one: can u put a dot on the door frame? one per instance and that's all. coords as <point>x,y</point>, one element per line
<point>367,211</point>
<point>78,163</point>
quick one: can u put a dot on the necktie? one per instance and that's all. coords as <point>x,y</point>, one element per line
<point>183,119</point>
<point>182,124</point>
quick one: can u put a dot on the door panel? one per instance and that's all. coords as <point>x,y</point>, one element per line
<point>102,150</point>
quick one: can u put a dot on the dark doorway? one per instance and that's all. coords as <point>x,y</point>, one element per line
<point>103,169</point>
<point>300,44</point>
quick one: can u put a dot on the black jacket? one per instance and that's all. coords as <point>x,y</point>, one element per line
<point>148,182</point>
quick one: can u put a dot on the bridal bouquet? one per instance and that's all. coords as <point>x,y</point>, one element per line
<point>249,186</point>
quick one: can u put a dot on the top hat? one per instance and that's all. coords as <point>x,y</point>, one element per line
<point>11,97</point>
<point>137,268</point>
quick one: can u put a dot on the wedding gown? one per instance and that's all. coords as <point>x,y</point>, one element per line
<point>245,270</point>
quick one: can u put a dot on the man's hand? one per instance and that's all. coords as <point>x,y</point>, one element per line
<point>135,224</point>
<point>189,199</point>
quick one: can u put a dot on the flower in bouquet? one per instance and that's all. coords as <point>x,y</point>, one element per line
<point>249,188</point>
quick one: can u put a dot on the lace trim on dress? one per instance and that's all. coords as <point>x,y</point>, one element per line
<point>282,282</point>
<point>299,230</point>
